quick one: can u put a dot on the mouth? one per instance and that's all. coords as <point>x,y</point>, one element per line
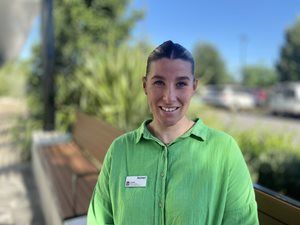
<point>168,109</point>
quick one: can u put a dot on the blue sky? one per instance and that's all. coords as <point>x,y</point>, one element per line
<point>33,37</point>
<point>221,23</point>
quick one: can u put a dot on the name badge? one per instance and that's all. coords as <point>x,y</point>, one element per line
<point>136,181</point>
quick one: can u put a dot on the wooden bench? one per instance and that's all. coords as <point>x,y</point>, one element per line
<point>67,171</point>
<point>70,168</point>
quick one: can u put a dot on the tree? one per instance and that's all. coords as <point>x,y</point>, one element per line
<point>288,66</point>
<point>258,76</point>
<point>81,27</point>
<point>209,66</point>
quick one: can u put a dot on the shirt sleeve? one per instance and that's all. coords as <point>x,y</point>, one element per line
<point>100,208</point>
<point>240,205</point>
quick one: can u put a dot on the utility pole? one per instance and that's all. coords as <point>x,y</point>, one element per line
<point>48,66</point>
<point>243,53</point>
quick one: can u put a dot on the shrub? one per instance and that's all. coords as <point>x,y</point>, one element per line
<point>108,86</point>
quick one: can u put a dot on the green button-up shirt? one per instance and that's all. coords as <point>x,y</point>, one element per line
<point>199,179</point>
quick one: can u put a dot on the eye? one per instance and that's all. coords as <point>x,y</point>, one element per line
<point>158,83</point>
<point>181,84</point>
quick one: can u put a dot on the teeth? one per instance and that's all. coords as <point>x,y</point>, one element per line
<point>169,109</point>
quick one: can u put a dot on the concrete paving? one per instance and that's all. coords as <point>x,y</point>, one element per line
<point>19,201</point>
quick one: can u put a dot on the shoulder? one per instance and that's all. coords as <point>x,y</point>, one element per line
<point>223,142</point>
<point>125,140</point>
<point>218,136</point>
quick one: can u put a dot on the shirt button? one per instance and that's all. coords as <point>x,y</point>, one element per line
<point>162,174</point>
<point>160,205</point>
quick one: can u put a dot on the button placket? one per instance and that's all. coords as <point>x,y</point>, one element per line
<point>163,181</point>
<point>161,186</point>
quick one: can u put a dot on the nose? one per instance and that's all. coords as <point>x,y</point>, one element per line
<point>169,95</point>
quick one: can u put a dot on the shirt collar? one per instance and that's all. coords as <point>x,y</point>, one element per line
<point>142,131</point>
<point>199,130</point>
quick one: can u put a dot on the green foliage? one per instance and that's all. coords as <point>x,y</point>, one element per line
<point>107,85</point>
<point>258,76</point>
<point>12,79</point>
<point>288,66</point>
<point>209,66</point>
<point>22,134</point>
<point>34,86</point>
<point>279,171</point>
<point>81,26</point>
<point>256,141</point>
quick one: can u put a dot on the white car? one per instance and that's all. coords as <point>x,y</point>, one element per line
<point>285,99</point>
<point>228,96</point>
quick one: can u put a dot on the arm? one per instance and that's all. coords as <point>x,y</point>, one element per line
<point>241,208</point>
<point>100,209</point>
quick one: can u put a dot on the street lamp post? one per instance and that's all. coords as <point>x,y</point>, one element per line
<point>243,52</point>
<point>48,66</point>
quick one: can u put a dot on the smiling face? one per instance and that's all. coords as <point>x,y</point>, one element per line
<point>169,87</point>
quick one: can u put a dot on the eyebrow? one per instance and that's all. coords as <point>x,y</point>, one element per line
<point>157,77</point>
<point>177,78</point>
<point>183,78</point>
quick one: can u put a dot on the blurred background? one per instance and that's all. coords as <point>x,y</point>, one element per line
<point>59,56</point>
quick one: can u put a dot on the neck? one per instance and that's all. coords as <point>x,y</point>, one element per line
<point>167,134</point>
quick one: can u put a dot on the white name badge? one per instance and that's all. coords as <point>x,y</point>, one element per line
<point>136,181</point>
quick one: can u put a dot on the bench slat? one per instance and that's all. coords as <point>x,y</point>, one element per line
<point>59,159</point>
<point>54,166</point>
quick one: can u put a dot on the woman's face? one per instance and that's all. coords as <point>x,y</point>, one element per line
<point>169,87</point>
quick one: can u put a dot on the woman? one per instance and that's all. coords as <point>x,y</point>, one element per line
<point>173,170</point>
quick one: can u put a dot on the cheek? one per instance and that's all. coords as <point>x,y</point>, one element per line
<point>186,97</point>
<point>154,94</point>
<point>151,98</point>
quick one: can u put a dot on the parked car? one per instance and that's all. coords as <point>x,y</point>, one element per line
<point>260,96</point>
<point>285,99</point>
<point>231,97</point>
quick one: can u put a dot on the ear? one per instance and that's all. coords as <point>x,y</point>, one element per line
<point>144,80</point>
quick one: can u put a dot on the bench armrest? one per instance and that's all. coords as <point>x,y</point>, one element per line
<point>48,138</point>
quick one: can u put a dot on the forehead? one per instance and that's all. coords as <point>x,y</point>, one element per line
<point>165,67</point>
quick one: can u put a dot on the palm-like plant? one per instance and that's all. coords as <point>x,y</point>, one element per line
<point>109,85</point>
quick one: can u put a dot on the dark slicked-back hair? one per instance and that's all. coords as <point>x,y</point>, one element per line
<point>170,50</point>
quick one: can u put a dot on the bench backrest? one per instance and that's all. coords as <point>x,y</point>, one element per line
<point>275,209</point>
<point>94,137</point>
